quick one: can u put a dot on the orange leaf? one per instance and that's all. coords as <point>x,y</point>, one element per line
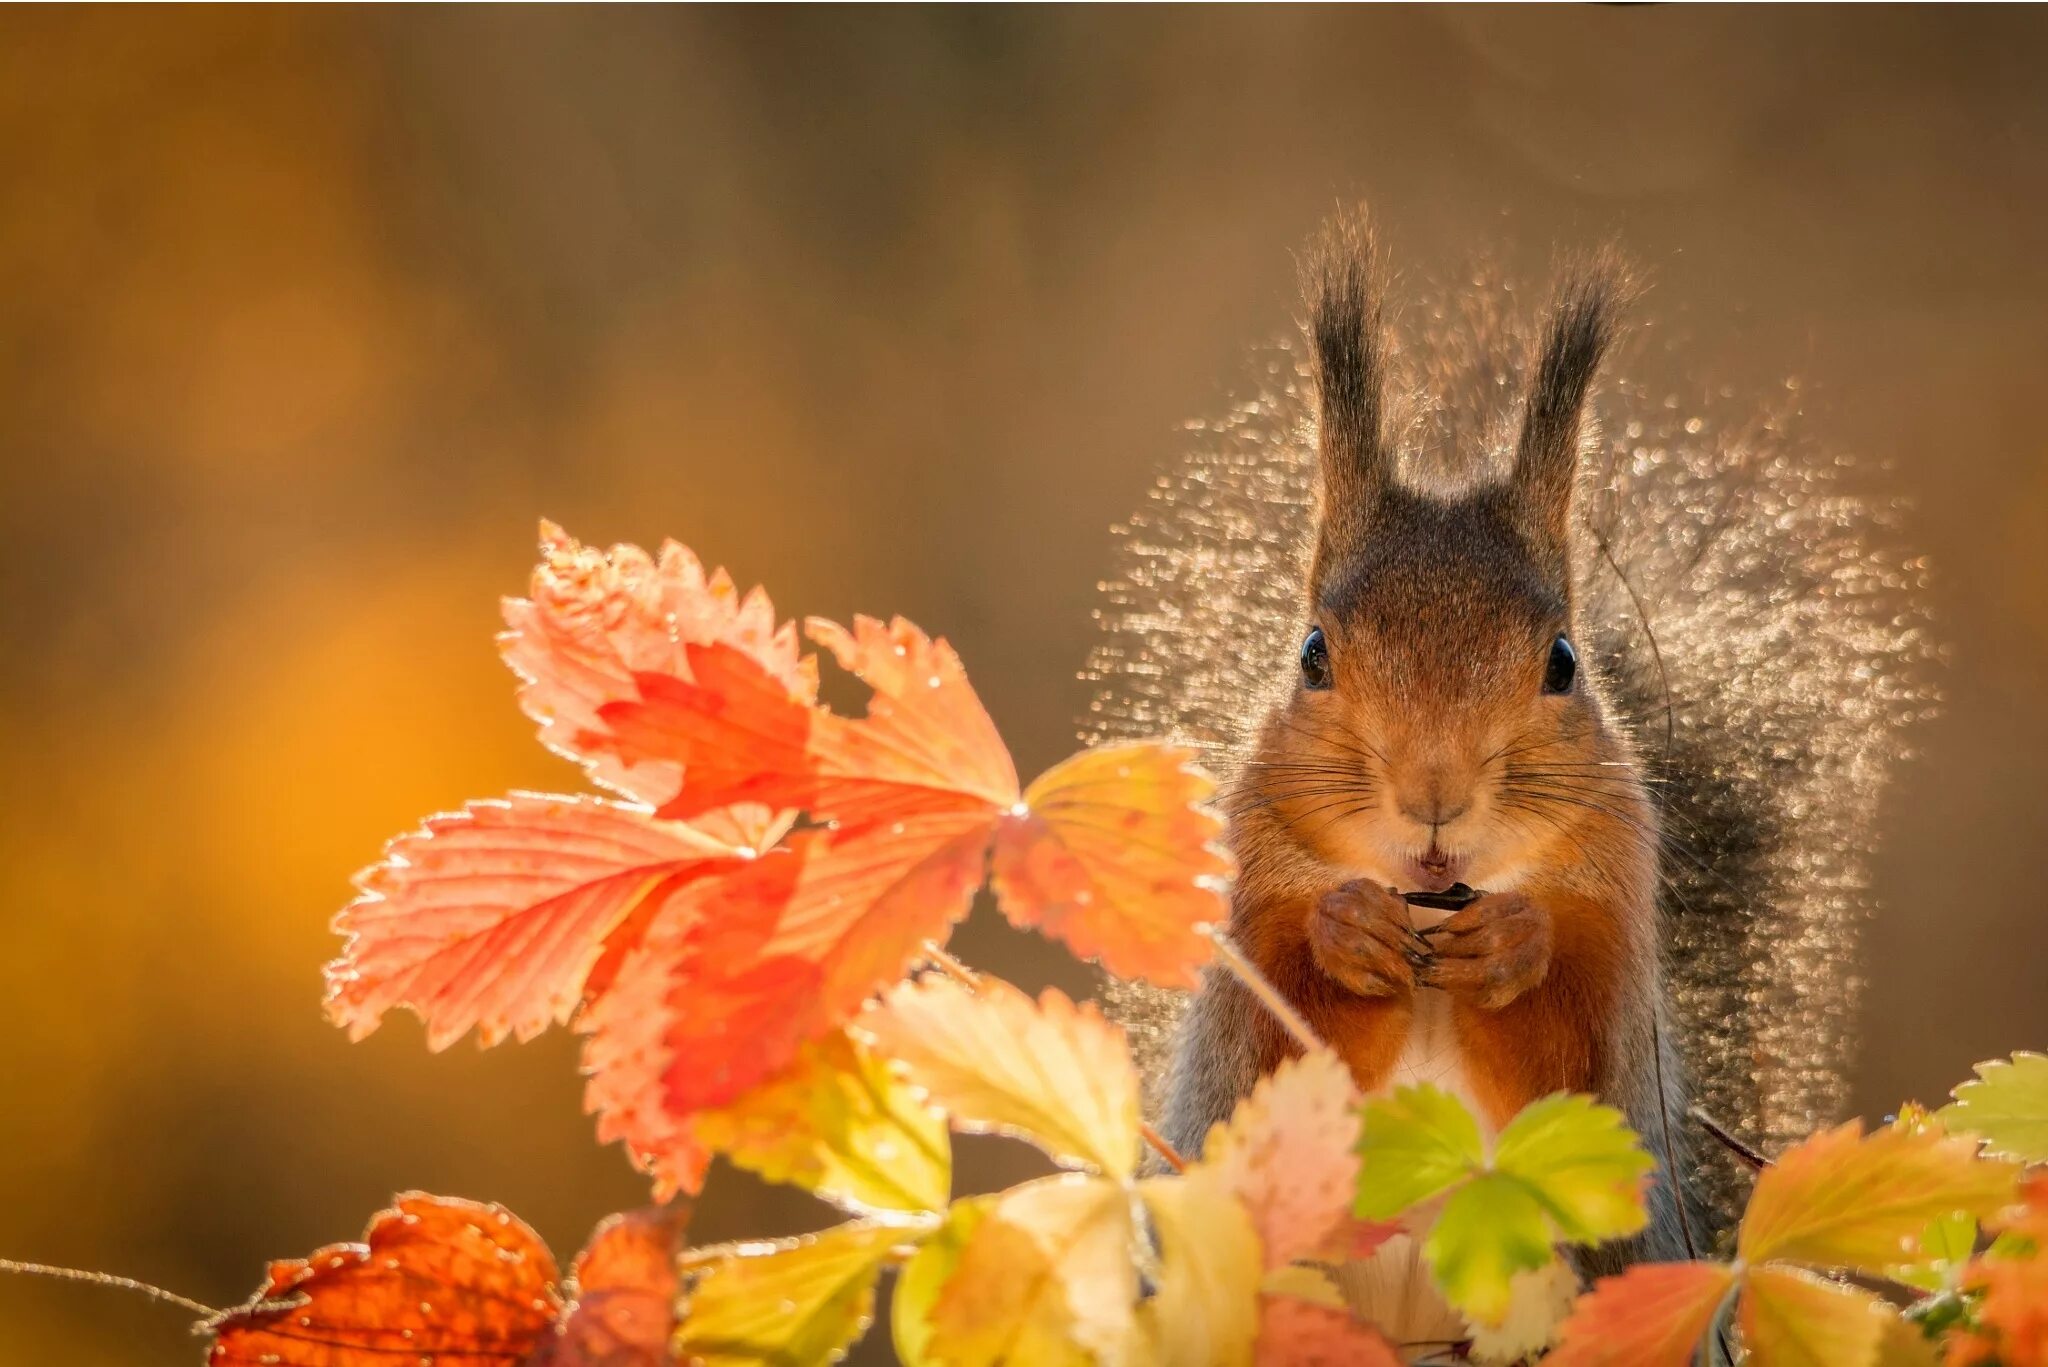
<point>596,619</point>
<point>493,916</point>
<point>441,1280</point>
<point>1299,1333</point>
<point>1114,857</point>
<point>1792,1318</point>
<point>1838,1199</point>
<point>624,1313</point>
<point>1650,1316</point>
<point>2012,1317</point>
<point>740,972</point>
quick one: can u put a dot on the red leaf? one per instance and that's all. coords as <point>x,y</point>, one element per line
<point>739,973</point>
<point>441,1280</point>
<point>1650,1316</point>
<point>1301,1333</point>
<point>493,916</point>
<point>624,1313</point>
<point>596,619</point>
<point>1115,858</point>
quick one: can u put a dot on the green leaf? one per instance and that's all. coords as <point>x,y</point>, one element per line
<point>842,1124</point>
<point>1945,1247</point>
<point>920,1280</point>
<point>1583,1163</point>
<point>1415,1144</point>
<point>2007,1105</point>
<point>1490,1229</point>
<point>793,1301</point>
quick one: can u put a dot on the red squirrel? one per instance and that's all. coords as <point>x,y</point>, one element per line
<point>1442,729</point>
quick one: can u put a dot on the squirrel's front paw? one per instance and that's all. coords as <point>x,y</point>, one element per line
<point>1493,951</point>
<point>1361,936</point>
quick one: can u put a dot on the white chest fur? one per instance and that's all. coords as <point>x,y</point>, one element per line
<point>1430,1053</point>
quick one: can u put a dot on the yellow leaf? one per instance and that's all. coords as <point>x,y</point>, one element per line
<point>1583,1163</point>
<point>1841,1200</point>
<point>1288,1153</point>
<point>793,1301</point>
<point>839,1123</point>
<point>1491,1228</point>
<point>1792,1318</point>
<point>2006,1105</point>
<point>1538,1302</point>
<point>1048,1071</point>
<point>1205,1312</point>
<point>919,1282</point>
<point>1047,1277</point>
<point>1417,1143</point>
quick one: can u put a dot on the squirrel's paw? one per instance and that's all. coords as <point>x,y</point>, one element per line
<point>1361,936</point>
<point>1492,952</point>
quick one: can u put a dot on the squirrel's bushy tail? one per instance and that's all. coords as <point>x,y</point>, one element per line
<point>1764,637</point>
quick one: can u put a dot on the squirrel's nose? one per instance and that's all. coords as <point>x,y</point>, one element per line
<point>1432,809</point>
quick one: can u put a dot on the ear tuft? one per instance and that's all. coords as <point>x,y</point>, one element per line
<point>1581,326</point>
<point>1341,285</point>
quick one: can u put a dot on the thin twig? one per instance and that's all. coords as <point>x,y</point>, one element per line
<point>1161,1147</point>
<point>1756,1161</point>
<point>75,1274</point>
<point>950,966</point>
<point>1262,987</point>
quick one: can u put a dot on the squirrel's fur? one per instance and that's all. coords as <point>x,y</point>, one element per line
<point>1694,809</point>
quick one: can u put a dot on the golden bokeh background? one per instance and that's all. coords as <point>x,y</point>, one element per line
<point>306,316</point>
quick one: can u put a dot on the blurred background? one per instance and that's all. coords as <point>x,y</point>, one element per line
<point>306,317</point>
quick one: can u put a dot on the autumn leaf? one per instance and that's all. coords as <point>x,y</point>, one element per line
<point>1205,1309</point>
<point>799,1300</point>
<point>1288,1153</point>
<point>450,1281</point>
<point>1840,1199</point>
<point>596,620</point>
<point>1652,1315</point>
<point>841,1124</point>
<point>1491,1228</point>
<point>2011,1284</point>
<point>1109,851</point>
<point>1047,1277</point>
<point>2006,1105</point>
<point>1114,856</point>
<point>1792,1318</point>
<point>1048,1071</point>
<point>1538,1302</point>
<point>492,917</point>
<point>624,1311</point>
<point>1300,1333</point>
<point>920,1280</point>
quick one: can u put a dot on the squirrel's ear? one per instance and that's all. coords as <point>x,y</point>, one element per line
<point>1341,283</point>
<point>1576,336</point>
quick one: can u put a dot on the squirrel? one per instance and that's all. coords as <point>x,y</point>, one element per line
<point>1638,682</point>
<point>1441,732</point>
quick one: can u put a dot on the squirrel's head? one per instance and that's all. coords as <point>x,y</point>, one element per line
<point>1441,727</point>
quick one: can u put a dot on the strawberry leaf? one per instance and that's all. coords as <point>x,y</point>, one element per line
<point>1288,1152</point>
<point>1048,1071</point>
<point>467,1285</point>
<point>494,916</point>
<point>1205,1310</point>
<point>1792,1318</point>
<point>2006,1105</point>
<point>795,1300</point>
<point>1581,1161</point>
<point>1652,1315</point>
<point>1415,1144</point>
<point>841,1124</point>
<point>625,1307</point>
<point>1491,1228</point>
<point>1114,857</point>
<point>919,1282</point>
<point>1839,1199</point>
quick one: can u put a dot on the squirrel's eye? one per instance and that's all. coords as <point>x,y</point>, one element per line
<point>1315,660</point>
<point>1562,668</point>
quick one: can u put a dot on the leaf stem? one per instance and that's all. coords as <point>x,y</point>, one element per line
<point>1260,986</point>
<point>1755,1160</point>
<point>1161,1147</point>
<point>76,1274</point>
